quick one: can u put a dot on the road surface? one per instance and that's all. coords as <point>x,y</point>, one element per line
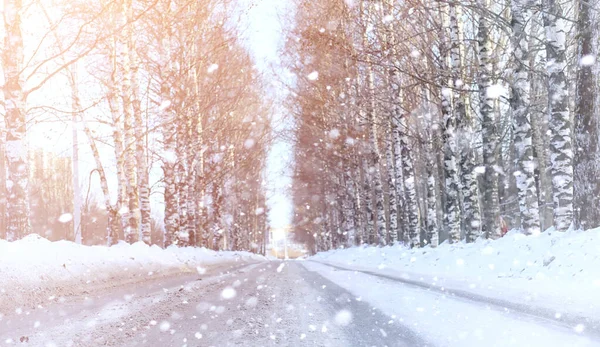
<point>292,303</point>
<point>263,304</point>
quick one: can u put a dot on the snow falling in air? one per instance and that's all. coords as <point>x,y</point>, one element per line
<point>228,293</point>
<point>212,68</point>
<point>249,143</point>
<point>343,317</point>
<point>65,218</point>
<point>251,302</point>
<point>495,91</point>
<point>587,60</point>
<point>579,328</point>
<point>334,134</point>
<point>280,267</point>
<point>164,105</point>
<point>198,335</point>
<point>447,92</point>
<point>201,270</point>
<point>313,76</point>
<point>164,326</point>
<point>479,170</point>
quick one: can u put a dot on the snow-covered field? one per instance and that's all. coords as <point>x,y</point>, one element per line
<point>555,272</point>
<point>34,270</point>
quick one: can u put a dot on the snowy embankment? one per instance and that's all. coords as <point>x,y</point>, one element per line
<point>554,272</point>
<point>34,270</point>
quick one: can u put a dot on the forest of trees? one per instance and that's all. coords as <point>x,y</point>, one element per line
<point>143,84</point>
<point>421,122</point>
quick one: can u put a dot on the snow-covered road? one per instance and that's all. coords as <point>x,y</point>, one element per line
<point>281,304</point>
<point>261,304</point>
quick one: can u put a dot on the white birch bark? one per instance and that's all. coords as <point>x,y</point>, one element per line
<point>77,200</point>
<point>143,184</point>
<point>114,222</point>
<point>132,228</point>
<point>561,151</point>
<point>171,217</point>
<point>451,179</point>
<point>523,134</point>
<point>586,161</point>
<point>470,213</point>
<point>374,153</point>
<point>17,178</point>
<point>491,208</point>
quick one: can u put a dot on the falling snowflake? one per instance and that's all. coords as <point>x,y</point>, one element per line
<point>313,76</point>
<point>164,326</point>
<point>495,91</point>
<point>212,68</point>
<point>164,105</point>
<point>65,218</point>
<point>249,143</point>
<point>228,293</point>
<point>587,60</point>
<point>334,133</point>
<point>479,170</point>
<point>343,317</point>
<point>251,302</point>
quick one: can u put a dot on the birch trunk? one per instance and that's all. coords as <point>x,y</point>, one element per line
<point>17,178</point>
<point>451,186</point>
<point>77,201</point>
<point>491,208</point>
<point>369,235</point>
<point>410,191</point>
<point>169,158</point>
<point>374,154</point>
<point>132,229</point>
<point>471,217</point>
<point>114,222</point>
<point>586,167</point>
<point>523,134</point>
<point>374,165</point>
<point>432,227</point>
<point>561,151</point>
<point>452,215</point>
<point>143,184</point>
<point>3,196</point>
<point>117,129</point>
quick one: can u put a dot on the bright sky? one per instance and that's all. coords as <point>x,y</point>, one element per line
<point>265,37</point>
<point>263,21</point>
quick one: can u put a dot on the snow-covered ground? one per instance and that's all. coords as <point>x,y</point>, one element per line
<point>444,320</point>
<point>34,270</point>
<point>554,273</point>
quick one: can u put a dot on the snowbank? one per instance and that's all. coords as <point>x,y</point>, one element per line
<point>553,271</point>
<point>34,270</point>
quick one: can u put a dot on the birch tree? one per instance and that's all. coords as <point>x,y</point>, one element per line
<point>561,152</point>
<point>523,134</point>
<point>17,178</point>
<point>586,170</point>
